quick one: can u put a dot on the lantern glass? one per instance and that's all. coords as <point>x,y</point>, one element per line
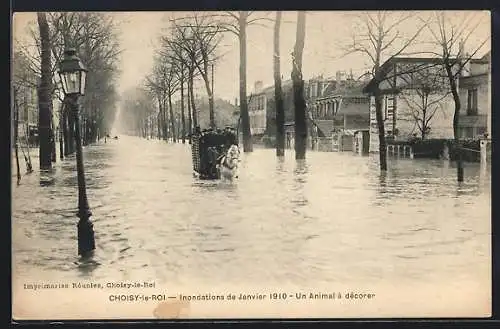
<point>70,82</point>
<point>62,83</point>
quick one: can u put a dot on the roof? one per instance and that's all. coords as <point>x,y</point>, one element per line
<point>270,89</point>
<point>326,126</point>
<point>354,91</point>
<point>483,60</point>
<point>387,66</point>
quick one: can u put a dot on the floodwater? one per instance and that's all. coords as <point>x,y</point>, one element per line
<point>330,219</point>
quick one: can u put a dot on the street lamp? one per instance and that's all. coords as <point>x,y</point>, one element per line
<point>73,74</point>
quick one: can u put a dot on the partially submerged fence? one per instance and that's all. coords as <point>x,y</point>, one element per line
<point>436,149</point>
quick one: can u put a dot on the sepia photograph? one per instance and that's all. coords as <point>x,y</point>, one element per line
<point>251,165</point>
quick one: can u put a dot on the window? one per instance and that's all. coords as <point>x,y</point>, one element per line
<point>472,102</point>
<point>330,109</point>
<point>389,108</point>
<point>314,89</point>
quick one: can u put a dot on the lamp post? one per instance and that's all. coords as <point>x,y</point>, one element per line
<point>73,74</point>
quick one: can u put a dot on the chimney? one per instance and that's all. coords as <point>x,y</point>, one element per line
<point>465,69</point>
<point>338,76</point>
<point>461,48</point>
<point>258,86</point>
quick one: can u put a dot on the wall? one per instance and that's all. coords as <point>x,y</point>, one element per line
<point>388,106</point>
<point>474,126</point>
<point>441,124</point>
<point>27,102</point>
<point>257,112</point>
<point>482,86</point>
<point>288,104</point>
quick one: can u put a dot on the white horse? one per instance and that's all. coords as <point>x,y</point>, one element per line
<point>228,165</point>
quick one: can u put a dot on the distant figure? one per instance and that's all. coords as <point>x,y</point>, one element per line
<point>197,130</point>
<point>116,137</point>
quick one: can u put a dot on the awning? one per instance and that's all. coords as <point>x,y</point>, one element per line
<point>325,127</point>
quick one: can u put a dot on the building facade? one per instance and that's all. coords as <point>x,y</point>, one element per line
<point>416,100</point>
<point>262,108</point>
<point>474,91</point>
<point>343,108</point>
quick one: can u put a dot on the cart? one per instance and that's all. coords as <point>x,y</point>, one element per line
<point>207,149</point>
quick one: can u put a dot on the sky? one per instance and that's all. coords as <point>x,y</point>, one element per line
<point>326,33</point>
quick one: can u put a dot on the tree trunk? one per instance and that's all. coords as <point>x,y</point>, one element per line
<point>172,117</point>
<point>381,130</point>
<point>65,128</point>
<point>158,123</point>
<point>245,119</point>
<point>84,131</point>
<point>44,94</point>
<point>456,117</point>
<point>204,75</point>
<point>53,144</point>
<point>16,134</point>
<point>183,119</point>
<point>52,134</point>
<point>61,132</point>
<point>163,118</point>
<point>193,101</point>
<point>210,101</point>
<point>298,89</point>
<point>190,121</point>
<point>278,93</point>
<point>160,119</point>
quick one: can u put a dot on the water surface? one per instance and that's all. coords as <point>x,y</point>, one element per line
<point>332,218</point>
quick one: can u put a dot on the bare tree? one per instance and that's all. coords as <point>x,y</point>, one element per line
<point>183,59</point>
<point>94,37</point>
<point>199,37</point>
<point>166,81</point>
<point>423,93</point>
<point>237,23</point>
<point>278,93</point>
<point>183,48</point>
<point>154,85</point>
<point>377,35</point>
<point>450,38</point>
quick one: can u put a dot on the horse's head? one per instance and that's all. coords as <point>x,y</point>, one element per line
<point>233,154</point>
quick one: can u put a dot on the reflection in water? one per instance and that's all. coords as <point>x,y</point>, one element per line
<point>47,177</point>
<point>86,266</point>
<point>300,180</point>
<point>333,217</point>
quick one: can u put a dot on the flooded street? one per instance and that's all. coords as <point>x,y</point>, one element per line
<point>328,220</point>
<point>332,220</point>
